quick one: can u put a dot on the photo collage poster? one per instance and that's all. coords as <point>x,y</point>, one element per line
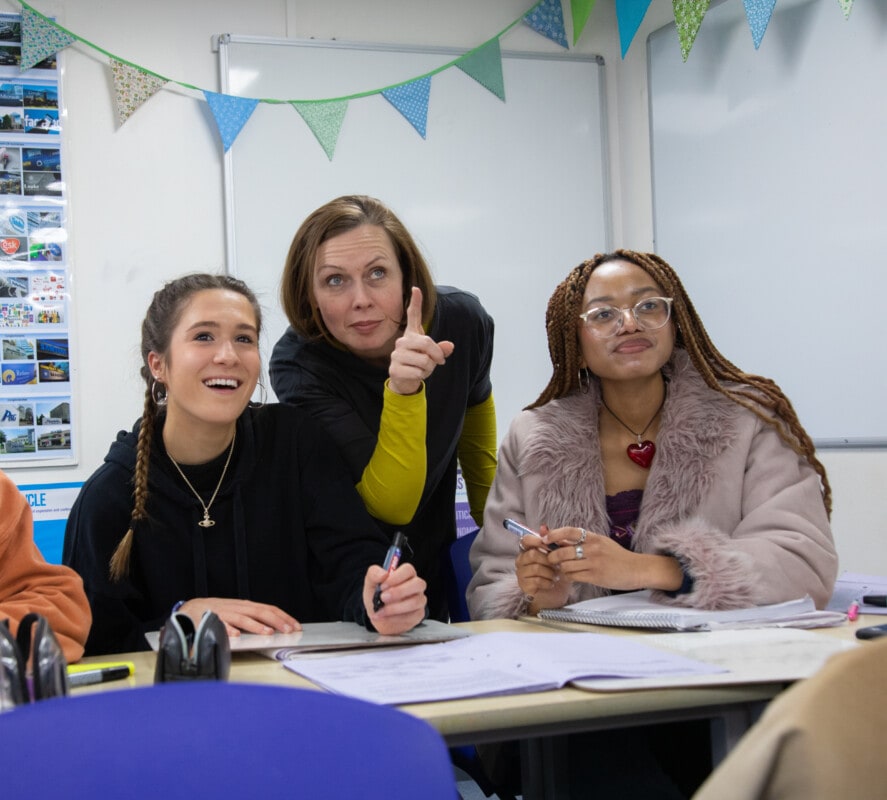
<point>35,362</point>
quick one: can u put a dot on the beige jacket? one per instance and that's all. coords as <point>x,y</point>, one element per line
<point>823,739</point>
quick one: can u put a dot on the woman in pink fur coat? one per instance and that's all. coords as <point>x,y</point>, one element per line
<point>652,462</point>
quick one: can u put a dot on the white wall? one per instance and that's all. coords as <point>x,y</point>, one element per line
<point>146,199</point>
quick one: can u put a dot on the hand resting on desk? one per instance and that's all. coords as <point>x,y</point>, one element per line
<point>403,593</point>
<point>242,615</point>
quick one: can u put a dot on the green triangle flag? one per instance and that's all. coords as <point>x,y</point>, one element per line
<point>580,11</point>
<point>688,16</point>
<point>325,120</point>
<point>846,7</point>
<point>485,66</point>
<point>41,38</point>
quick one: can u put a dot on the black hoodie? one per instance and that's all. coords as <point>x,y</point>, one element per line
<point>290,530</point>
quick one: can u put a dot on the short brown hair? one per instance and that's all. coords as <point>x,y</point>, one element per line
<point>332,219</point>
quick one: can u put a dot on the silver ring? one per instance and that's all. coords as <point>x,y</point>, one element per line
<point>584,534</point>
<point>580,553</point>
<point>520,544</point>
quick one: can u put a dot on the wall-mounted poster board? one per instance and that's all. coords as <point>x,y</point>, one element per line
<point>769,175</point>
<point>503,197</point>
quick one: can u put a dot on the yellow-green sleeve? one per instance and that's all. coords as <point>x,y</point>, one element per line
<point>477,454</point>
<point>394,478</point>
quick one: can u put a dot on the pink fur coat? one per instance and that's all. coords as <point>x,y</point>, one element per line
<point>725,495</point>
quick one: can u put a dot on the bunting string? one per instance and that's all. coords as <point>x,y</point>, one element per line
<point>134,85</point>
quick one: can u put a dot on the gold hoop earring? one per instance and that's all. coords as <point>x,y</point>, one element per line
<point>263,396</point>
<point>159,399</point>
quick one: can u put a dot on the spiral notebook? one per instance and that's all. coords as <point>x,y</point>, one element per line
<point>638,610</point>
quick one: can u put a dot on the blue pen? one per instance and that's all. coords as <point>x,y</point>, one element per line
<point>523,530</point>
<point>392,559</point>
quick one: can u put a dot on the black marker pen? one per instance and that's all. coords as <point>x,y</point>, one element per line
<point>392,559</point>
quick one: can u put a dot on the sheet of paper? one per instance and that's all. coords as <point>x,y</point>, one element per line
<point>759,655</point>
<point>852,586</point>
<point>490,664</point>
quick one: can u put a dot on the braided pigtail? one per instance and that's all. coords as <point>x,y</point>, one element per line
<point>119,563</point>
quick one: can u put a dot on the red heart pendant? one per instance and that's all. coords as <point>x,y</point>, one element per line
<point>642,454</point>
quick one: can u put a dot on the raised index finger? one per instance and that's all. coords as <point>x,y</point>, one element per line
<point>414,312</point>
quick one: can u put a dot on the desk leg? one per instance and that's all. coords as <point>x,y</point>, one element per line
<point>729,727</point>
<point>543,769</point>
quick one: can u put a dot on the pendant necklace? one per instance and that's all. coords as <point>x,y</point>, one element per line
<point>206,522</point>
<point>641,453</point>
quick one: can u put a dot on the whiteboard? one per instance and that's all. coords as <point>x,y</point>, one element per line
<point>504,198</point>
<point>769,181</point>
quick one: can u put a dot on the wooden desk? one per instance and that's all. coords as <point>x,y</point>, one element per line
<point>535,718</point>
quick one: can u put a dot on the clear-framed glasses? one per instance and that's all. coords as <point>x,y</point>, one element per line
<point>649,314</point>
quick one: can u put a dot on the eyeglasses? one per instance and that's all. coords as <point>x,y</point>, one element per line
<point>649,314</point>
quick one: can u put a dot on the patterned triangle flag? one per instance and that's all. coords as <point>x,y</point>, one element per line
<point>629,15</point>
<point>547,18</point>
<point>231,114</point>
<point>758,13</point>
<point>580,11</point>
<point>325,121</point>
<point>41,38</point>
<point>688,16</point>
<point>411,99</point>
<point>846,7</point>
<point>132,87</point>
<point>485,66</point>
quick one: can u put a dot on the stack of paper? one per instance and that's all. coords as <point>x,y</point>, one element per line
<point>637,610</point>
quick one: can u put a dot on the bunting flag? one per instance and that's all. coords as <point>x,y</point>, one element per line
<point>580,11</point>
<point>758,13</point>
<point>132,88</point>
<point>230,113</point>
<point>41,38</point>
<point>688,16</point>
<point>411,99</point>
<point>547,18</point>
<point>325,120</point>
<point>485,66</point>
<point>629,15</point>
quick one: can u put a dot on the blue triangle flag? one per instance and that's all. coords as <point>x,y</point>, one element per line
<point>629,15</point>
<point>231,114</point>
<point>411,99</point>
<point>758,13</point>
<point>547,18</point>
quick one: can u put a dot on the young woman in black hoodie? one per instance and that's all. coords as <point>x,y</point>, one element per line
<point>214,503</point>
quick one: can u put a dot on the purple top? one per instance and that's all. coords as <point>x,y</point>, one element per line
<point>624,508</point>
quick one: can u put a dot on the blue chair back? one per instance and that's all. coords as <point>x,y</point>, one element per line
<point>458,575</point>
<point>220,740</point>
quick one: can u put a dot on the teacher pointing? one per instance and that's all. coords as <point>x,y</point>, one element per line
<point>396,368</point>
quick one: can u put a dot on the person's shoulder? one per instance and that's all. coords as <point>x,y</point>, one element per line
<point>460,309</point>
<point>456,298</point>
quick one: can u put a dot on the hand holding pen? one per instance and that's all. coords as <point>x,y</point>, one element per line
<point>393,595</point>
<point>522,531</point>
